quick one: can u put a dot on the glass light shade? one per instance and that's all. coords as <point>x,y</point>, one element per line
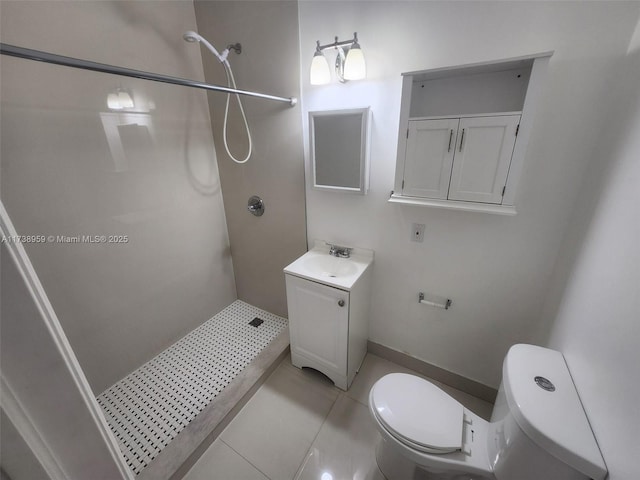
<point>113,102</point>
<point>319,73</point>
<point>354,66</point>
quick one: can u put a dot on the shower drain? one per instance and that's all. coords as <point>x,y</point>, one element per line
<point>256,322</point>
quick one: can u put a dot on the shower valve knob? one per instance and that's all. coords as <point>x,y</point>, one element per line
<point>255,206</point>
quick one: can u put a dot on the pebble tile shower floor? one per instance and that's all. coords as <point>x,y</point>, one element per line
<point>150,406</point>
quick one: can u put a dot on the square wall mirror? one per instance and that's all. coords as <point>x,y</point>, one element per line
<point>340,149</point>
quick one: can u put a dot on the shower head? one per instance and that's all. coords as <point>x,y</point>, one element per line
<point>193,37</point>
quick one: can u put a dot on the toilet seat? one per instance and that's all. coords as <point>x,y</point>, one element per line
<point>418,414</point>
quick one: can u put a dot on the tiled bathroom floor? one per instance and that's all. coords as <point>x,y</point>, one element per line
<point>299,426</point>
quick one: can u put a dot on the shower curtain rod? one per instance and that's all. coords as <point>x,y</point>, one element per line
<point>40,56</point>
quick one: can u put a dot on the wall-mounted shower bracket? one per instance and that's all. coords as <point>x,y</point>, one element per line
<point>236,47</point>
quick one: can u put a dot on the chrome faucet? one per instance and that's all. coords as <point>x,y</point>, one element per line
<point>340,252</point>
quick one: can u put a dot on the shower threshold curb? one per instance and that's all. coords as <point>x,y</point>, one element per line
<point>177,458</point>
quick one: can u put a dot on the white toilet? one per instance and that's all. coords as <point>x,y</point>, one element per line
<point>538,428</point>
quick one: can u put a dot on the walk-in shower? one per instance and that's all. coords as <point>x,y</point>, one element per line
<point>121,306</point>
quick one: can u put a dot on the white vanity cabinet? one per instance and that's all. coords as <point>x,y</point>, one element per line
<point>328,314</point>
<point>318,325</point>
<point>463,134</point>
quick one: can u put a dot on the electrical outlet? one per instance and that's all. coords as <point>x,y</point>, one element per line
<point>417,232</point>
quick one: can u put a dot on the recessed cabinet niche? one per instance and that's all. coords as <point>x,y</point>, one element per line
<point>463,134</point>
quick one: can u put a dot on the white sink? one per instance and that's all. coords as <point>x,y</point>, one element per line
<point>328,266</point>
<point>319,266</point>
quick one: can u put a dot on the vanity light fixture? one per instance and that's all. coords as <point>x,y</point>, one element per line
<point>350,64</point>
<point>119,100</point>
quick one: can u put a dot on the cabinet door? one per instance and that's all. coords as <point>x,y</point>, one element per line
<point>430,149</point>
<point>482,159</point>
<point>318,324</point>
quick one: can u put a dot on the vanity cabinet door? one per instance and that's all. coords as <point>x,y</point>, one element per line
<point>318,322</point>
<point>430,150</point>
<point>482,158</point>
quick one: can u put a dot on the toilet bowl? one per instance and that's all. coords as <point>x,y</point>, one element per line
<point>422,426</point>
<point>538,428</point>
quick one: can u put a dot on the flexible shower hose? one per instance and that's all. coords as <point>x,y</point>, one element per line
<point>231,82</point>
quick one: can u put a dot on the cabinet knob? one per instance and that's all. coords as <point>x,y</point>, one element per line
<point>341,303</point>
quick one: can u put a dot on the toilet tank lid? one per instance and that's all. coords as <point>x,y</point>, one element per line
<point>543,399</point>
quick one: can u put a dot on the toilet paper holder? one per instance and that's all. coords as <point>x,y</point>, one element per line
<point>434,301</point>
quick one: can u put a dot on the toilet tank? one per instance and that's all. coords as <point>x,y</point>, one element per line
<point>538,427</point>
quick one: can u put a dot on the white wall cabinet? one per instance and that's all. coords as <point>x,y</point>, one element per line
<point>464,159</point>
<point>463,134</point>
<point>431,146</point>
<point>483,158</point>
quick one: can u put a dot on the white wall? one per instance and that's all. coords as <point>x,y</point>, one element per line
<point>495,269</point>
<point>63,174</point>
<point>597,325</point>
